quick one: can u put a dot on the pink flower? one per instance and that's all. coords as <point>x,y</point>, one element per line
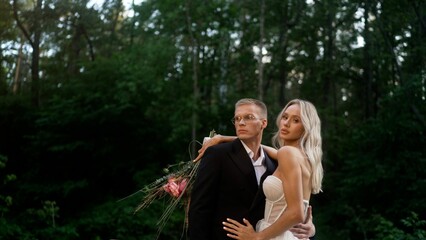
<point>175,187</point>
<point>182,184</point>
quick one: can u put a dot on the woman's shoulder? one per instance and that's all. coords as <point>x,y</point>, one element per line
<point>287,153</point>
<point>288,150</point>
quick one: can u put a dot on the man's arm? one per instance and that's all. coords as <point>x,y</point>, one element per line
<point>305,230</point>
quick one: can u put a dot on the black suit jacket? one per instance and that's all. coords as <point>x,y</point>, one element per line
<point>225,187</point>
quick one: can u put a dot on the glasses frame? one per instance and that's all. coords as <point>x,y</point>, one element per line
<point>246,118</point>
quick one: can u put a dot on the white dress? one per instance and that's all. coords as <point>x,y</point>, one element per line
<point>275,206</point>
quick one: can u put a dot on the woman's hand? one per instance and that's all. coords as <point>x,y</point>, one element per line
<point>304,230</point>
<point>206,144</point>
<point>239,231</point>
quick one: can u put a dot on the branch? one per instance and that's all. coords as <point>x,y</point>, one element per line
<point>92,54</point>
<point>19,23</point>
<point>416,11</point>
<point>296,18</point>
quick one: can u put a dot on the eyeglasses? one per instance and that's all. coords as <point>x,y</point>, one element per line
<point>247,118</point>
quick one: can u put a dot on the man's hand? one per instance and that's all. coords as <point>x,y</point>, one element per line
<point>306,229</point>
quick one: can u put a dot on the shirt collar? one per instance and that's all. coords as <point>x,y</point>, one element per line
<point>256,162</point>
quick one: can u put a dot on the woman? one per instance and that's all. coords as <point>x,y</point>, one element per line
<point>299,174</point>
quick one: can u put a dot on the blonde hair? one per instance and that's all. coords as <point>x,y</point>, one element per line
<point>310,142</point>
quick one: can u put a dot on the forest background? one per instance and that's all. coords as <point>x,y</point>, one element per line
<point>95,100</point>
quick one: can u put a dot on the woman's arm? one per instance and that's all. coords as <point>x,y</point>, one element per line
<point>307,229</point>
<point>290,173</point>
<point>213,141</point>
<point>270,151</point>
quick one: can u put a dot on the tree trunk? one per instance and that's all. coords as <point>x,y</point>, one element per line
<point>367,74</point>
<point>18,70</point>
<point>260,56</point>
<point>35,44</point>
<point>35,58</point>
<point>194,59</point>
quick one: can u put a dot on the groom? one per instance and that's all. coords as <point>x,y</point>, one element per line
<point>230,176</point>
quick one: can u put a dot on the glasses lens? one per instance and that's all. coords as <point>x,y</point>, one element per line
<point>246,118</point>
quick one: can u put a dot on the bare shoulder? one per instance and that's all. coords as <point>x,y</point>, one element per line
<point>289,151</point>
<point>288,154</point>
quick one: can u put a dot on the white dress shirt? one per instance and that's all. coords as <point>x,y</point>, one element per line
<point>258,164</point>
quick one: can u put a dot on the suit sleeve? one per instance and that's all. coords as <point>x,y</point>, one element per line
<point>204,196</point>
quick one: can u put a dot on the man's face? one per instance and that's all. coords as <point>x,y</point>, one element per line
<point>248,122</point>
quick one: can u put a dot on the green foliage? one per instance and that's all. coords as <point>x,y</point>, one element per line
<point>5,200</point>
<point>375,154</point>
<point>414,228</point>
<point>43,221</point>
<point>47,214</point>
<point>119,92</point>
<point>37,224</point>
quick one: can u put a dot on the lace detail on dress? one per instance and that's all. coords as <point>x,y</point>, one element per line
<point>275,201</point>
<point>275,205</point>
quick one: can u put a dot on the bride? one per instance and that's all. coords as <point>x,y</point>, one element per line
<point>299,174</point>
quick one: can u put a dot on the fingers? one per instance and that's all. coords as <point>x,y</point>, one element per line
<point>237,230</point>
<point>201,152</point>
<point>300,235</point>
<point>301,227</point>
<point>300,231</point>
<point>305,229</point>
<point>236,223</point>
<point>206,144</point>
<point>200,155</point>
<point>247,222</point>
<point>233,236</point>
<point>231,228</point>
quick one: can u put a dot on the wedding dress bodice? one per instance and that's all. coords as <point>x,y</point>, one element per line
<point>275,204</point>
<point>275,199</point>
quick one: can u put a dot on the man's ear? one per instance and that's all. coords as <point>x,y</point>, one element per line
<point>264,123</point>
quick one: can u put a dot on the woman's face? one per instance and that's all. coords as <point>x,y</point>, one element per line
<point>291,127</point>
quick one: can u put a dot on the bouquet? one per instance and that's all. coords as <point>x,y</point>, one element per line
<point>176,185</point>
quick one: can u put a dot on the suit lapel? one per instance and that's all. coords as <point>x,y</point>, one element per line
<point>243,162</point>
<point>270,168</point>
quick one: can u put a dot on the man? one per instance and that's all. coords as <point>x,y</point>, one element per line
<point>230,176</point>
